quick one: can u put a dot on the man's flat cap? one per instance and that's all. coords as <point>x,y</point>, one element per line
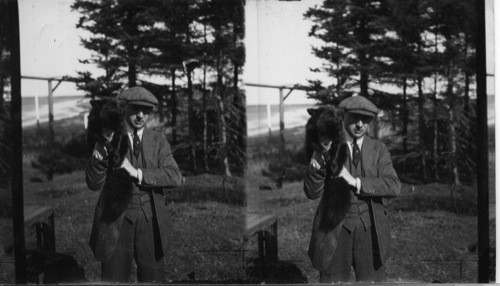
<point>138,95</point>
<point>359,105</point>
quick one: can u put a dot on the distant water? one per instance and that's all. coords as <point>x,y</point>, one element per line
<point>70,106</point>
<point>64,107</point>
<point>295,115</point>
<point>491,110</point>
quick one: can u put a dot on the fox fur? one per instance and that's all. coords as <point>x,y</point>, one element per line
<point>117,192</point>
<point>326,122</point>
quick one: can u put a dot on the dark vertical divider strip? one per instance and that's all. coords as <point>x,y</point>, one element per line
<point>482,147</point>
<point>17,146</point>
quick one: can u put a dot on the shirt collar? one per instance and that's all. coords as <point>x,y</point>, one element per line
<point>130,131</point>
<point>349,139</point>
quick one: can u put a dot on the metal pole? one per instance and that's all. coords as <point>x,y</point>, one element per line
<point>483,230</point>
<point>16,169</point>
<point>51,114</point>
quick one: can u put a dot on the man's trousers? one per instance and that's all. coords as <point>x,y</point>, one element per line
<point>136,241</point>
<point>355,248</point>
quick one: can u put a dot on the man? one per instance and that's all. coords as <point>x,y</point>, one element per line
<point>139,229</point>
<point>361,239</point>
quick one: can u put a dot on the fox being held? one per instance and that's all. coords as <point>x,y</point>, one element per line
<point>324,126</point>
<point>107,117</point>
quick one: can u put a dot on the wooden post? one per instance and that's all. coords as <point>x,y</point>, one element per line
<point>192,156</point>
<point>269,117</point>
<point>16,141</point>
<point>261,265</point>
<point>271,242</point>
<point>37,111</point>
<point>50,234</point>
<point>51,114</point>
<point>282,121</point>
<point>483,230</point>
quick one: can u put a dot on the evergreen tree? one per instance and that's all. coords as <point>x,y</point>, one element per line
<point>117,42</point>
<point>226,54</point>
<point>456,25</point>
<point>411,55</point>
<point>355,36</point>
<point>423,47</point>
<point>134,41</point>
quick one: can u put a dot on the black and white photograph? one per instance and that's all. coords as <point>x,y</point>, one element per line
<point>247,141</point>
<point>405,81</point>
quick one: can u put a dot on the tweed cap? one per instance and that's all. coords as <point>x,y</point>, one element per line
<point>138,95</point>
<point>359,105</point>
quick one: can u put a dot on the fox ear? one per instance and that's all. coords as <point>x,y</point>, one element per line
<point>313,111</point>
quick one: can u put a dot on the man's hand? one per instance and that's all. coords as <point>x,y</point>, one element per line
<point>315,164</point>
<point>133,172</point>
<point>100,151</point>
<point>317,160</point>
<point>326,143</point>
<point>351,181</point>
<point>96,154</point>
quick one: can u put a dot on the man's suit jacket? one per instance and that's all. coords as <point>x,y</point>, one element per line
<point>160,172</point>
<point>380,181</point>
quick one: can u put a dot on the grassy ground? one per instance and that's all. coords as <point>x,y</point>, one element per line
<point>207,228</point>
<point>429,235</point>
<point>433,235</point>
<point>208,216</point>
<point>434,226</point>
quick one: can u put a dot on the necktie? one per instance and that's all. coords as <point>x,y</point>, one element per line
<point>137,144</point>
<point>356,153</point>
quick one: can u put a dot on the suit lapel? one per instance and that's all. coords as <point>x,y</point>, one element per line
<point>147,146</point>
<point>367,153</point>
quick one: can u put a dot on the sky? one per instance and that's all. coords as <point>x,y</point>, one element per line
<point>50,45</point>
<point>278,48</point>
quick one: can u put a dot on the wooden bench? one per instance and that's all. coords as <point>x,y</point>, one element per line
<point>266,228</point>
<point>42,218</point>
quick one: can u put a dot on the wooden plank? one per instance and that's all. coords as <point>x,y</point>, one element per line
<point>36,214</point>
<point>271,242</point>
<point>256,222</point>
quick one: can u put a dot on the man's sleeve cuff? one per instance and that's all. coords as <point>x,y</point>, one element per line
<point>139,176</point>
<point>358,186</point>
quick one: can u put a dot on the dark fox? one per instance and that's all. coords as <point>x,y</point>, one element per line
<point>108,114</point>
<point>326,122</point>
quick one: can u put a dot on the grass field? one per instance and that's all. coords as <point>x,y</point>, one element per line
<point>433,236</point>
<point>428,241</point>
<point>434,226</point>
<point>207,226</point>
<point>208,219</point>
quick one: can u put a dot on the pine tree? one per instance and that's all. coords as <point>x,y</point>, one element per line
<point>116,40</point>
<point>423,47</point>
<point>133,41</point>
<point>355,36</point>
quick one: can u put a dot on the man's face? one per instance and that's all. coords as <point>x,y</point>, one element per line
<point>356,124</point>
<point>137,115</point>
